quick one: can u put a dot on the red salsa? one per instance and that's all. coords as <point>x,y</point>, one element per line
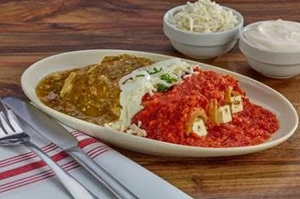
<point>165,115</point>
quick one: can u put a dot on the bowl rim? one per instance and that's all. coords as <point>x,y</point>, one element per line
<point>242,37</point>
<point>173,27</point>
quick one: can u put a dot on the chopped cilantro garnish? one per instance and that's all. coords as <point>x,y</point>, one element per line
<point>141,75</point>
<point>168,78</point>
<point>161,88</point>
<point>155,70</point>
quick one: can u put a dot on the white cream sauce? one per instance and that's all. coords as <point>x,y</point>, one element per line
<point>145,80</point>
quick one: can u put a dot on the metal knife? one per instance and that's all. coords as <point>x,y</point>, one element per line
<point>57,134</point>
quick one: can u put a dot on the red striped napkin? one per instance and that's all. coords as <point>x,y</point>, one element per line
<point>24,175</point>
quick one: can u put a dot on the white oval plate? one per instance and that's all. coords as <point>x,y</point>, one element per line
<point>256,92</point>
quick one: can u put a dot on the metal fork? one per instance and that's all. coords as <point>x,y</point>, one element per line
<point>11,135</point>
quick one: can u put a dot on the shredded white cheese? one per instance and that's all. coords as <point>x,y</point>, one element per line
<point>136,130</point>
<point>204,16</point>
<point>135,85</point>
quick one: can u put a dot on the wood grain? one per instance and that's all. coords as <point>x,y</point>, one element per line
<point>31,30</point>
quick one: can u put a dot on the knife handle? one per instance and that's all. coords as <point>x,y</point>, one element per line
<point>101,174</point>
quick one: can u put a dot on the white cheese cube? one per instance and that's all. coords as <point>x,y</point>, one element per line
<point>224,114</point>
<point>236,104</point>
<point>199,128</point>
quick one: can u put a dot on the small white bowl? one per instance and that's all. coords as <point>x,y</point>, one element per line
<point>201,45</point>
<point>270,63</point>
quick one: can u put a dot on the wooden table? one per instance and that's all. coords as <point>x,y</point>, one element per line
<point>31,30</point>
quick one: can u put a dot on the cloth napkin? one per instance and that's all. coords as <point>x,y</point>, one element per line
<point>24,175</point>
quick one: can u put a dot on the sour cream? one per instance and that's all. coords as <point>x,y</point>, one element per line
<point>277,35</point>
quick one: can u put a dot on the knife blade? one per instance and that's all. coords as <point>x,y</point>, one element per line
<point>57,134</point>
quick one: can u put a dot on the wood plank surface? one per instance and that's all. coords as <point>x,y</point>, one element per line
<point>31,30</point>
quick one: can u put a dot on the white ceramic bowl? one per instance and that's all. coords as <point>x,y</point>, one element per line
<point>270,63</point>
<point>201,45</point>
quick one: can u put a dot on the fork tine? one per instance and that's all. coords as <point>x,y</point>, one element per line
<point>2,128</point>
<point>8,137</point>
<point>5,115</point>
